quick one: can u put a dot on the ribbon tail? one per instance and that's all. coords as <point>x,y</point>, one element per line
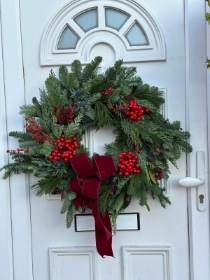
<point>103,232</point>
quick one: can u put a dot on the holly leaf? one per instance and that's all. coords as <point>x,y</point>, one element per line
<point>152,177</point>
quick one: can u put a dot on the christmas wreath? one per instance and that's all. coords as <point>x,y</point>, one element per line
<point>51,146</point>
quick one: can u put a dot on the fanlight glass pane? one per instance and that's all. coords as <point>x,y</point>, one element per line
<point>115,18</point>
<point>136,36</point>
<point>68,39</point>
<point>87,20</point>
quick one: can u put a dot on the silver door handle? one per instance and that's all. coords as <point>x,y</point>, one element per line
<point>199,182</point>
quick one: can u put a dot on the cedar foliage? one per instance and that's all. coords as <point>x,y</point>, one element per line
<point>154,140</point>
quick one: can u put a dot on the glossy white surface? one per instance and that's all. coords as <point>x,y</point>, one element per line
<point>185,82</point>
<point>200,182</point>
<point>94,31</point>
<point>190,182</point>
<point>124,222</point>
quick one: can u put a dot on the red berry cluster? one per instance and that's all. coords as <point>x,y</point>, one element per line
<point>127,164</point>
<point>64,149</point>
<point>108,91</point>
<point>19,150</point>
<point>135,111</point>
<point>57,191</point>
<point>33,127</point>
<point>119,108</point>
<point>146,110</point>
<point>129,97</point>
<point>63,115</point>
<point>158,172</point>
<point>150,160</point>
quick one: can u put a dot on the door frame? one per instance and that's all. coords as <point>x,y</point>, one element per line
<point>196,82</point>
<point>15,230</point>
<point>16,256</point>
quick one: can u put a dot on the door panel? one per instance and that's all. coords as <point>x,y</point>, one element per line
<point>160,227</point>
<point>162,242</point>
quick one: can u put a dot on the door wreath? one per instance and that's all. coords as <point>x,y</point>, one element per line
<point>51,146</point>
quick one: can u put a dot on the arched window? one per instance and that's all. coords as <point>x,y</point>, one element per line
<point>126,26</point>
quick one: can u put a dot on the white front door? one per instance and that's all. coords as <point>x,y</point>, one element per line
<point>157,38</point>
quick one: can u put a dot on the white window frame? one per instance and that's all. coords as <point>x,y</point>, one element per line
<point>50,55</point>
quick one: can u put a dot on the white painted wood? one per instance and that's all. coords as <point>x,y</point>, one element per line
<point>73,262</point>
<point>199,182</point>
<point>129,221</point>
<point>46,218</point>
<point>6,263</point>
<point>188,182</point>
<point>160,226</point>
<point>147,262</point>
<point>201,190</point>
<point>154,51</point>
<point>14,93</point>
<point>197,100</point>
<point>164,107</point>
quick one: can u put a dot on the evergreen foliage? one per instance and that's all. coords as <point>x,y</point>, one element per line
<point>80,99</point>
<point>207,16</point>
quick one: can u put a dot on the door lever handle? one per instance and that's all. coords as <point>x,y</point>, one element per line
<point>199,182</point>
<point>190,182</point>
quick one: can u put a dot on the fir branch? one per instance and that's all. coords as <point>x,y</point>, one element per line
<point>73,128</point>
<point>70,215</point>
<point>46,149</point>
<point>90,112</point>
<point>46,185</point>
<point>53,87</point>
<point>90,69</point>
<point>57,129</point>
<point>20,135</point>
<point>15,168</point>
<point>29,110</point>
<point>103,116</point>
<point>130,129</point>
<point>69,83</point>
<point>103,198</point>
<point>76,69</point>
<point>67,202</point>
<point>116,202</point>
<point>28,144</point>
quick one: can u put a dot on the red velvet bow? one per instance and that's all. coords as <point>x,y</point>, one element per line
<point>86,185</point>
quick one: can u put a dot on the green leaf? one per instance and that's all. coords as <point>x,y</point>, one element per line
<point>152,176</point>
<point>90,113</point>
<point>47,148</point>
<point>73,128</point>
<point>118,208</point>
